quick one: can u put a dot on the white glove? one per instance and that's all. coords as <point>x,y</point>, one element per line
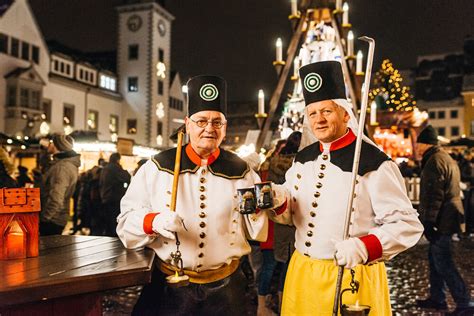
<point>350,252</point>
<point>167,223</point>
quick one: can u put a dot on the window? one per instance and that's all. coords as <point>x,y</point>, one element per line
<point>454,131</point>
<point>3,43</point>
<point>35,99</point>
<point>132,84</point>
<point>132,52</point>
<point>11,97</point>
<point>161,55</point>
<point>47,110</point>
<point>25,51</point>
<point>56,65</point>
<point>15,49</point>
<point>68,114</point>
<point>24,97</point>
<point>93,120</point>
<point>441,131</point>
<point>160,87</point>
<point>454,113</point>
<point>131,126</point>
<point>113,124</point>
<point>441,114</point>
<point>107,82</point>
<point>35,54</point>
<point>159,128</point>
<point>432,114</point>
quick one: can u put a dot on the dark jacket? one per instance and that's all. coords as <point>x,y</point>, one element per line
<point>114,181</point>
<point>284,235</point>
<point>440,193</point>
<point>58,186</point>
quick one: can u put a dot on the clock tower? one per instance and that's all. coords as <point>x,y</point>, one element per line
<point>143,66</point>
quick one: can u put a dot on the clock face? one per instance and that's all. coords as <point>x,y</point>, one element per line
<point>134,23</point>
<point>161,27</point>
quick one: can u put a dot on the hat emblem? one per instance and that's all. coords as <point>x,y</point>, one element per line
<point>312,82</point>
<point>208,92</point>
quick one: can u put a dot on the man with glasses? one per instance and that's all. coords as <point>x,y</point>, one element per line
<point>212,232</point>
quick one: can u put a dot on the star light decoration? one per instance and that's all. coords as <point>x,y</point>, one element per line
<point>161,70</point>
<point>160,110</point>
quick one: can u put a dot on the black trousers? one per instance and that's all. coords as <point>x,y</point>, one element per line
<point>224,297</point>
<point>50,228</point>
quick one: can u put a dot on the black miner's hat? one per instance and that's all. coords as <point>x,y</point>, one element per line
<point>322,81</point>
<point>207,93</point>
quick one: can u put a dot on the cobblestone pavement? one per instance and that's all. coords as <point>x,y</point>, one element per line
<point>407,273</point>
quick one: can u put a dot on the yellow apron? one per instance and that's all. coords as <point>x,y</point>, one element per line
<point>310,286</point>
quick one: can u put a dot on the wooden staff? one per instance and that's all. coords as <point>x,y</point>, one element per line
<point>355,165</point>
<point>177,169</point>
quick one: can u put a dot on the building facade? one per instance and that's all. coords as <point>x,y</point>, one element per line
<point>44,90</point>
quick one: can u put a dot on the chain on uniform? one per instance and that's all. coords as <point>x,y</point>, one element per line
<point>312,82</point>
<point>208,92</point>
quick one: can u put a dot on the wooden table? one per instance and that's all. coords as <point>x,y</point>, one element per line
<point>69,274</point>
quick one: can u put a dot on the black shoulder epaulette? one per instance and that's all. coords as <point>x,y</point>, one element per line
<point>370,159</point>
<point>227,165</point>
<point>309,153</point>
<point>165,161</point>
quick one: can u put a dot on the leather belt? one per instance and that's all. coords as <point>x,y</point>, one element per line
<point>202,277</point>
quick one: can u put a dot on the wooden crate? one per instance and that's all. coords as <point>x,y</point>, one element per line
<point>19,223</point>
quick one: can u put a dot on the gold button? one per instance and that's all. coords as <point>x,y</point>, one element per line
<point>202,224</point>
<point>308,244</point>
<point>201,255</point>
<point>167,205</point>
<point>319,185</point>
<point>294,199</point>
<point>355,195</point>
<point>231,243</point>
<point>203,171</point>
<point>202,215</point>
<point>202,188</point>
<point>325,157</point>
<point>202,205</point>
<point>199,265</point>
<point>298,176</point>
<point>201,245</point>
<point>353,210</point>
<point>311,225</point>
<point>168,192</point>
<point>314,204</point>
<point>357,181</point>
<point>317,194</point>
<point>307,255</point>
<point>296,187</point>
<point>202,197</point>
<point>321,175</point>
<point>202,235</point>
<point>323,166</point>
<point>202,180</point>
<point>233,232</point>
<point>312,214</point>
<point>310,234</point>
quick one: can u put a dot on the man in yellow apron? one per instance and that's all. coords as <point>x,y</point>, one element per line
<point>317,186</point>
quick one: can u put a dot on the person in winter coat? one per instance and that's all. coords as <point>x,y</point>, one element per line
<point>114,181</point>
<point>58,185</point>
<point>441,213</point>
<point>23,177</point>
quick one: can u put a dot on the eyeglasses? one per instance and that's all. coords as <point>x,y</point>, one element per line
<point>203,123</point>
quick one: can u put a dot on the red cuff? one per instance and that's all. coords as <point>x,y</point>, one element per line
<point>148,223</point>
<point>374,247</point>
<point>281,209</point>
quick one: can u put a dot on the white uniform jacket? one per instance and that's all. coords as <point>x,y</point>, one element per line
<point>317,189</point>
<point>206,200</point>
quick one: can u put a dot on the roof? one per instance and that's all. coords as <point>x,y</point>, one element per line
<point>106,60</point>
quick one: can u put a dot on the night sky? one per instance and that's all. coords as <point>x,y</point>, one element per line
<point>236,38</point>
